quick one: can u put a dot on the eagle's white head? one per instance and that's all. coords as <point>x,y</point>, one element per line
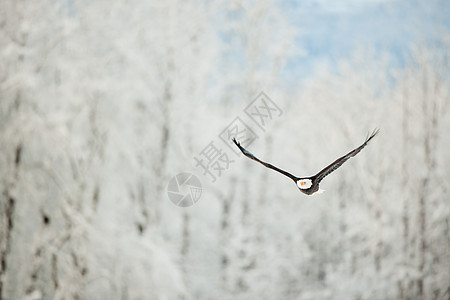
<point>304,184</point>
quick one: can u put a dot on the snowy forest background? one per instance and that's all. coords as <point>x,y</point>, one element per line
<point>102,102</point>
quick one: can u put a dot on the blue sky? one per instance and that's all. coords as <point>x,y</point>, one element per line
<point>332,30</point>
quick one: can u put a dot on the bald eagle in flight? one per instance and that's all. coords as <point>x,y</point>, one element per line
<point>310,185</point>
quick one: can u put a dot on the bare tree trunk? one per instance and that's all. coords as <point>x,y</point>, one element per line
<point>422,238</point>
<point>422,217</point>
<point>405,218</point>
<point>164,142</point>
<point>6,232</point>
<point>224,233</point>
<point>185,240</point>
<point>430,123</point>
<point>379,237</point>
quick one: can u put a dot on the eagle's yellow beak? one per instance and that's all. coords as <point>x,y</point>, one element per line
<point>302,183</point>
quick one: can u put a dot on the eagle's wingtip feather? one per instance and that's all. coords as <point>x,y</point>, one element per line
<point>372,135</point>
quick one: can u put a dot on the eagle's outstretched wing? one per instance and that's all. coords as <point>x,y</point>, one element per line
<point>337,163</point>
<point>250,155</point>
